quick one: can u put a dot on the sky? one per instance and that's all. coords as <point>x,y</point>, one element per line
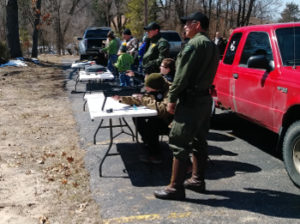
<point>283,4</point>
<point>288,1</point>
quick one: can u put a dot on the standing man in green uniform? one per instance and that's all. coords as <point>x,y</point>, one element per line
<point>158,49</point>
<point>190,102</point>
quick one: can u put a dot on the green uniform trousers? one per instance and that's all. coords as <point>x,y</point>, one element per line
<point>190,126</point>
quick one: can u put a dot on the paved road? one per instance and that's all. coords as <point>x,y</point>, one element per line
<point>246,181</point>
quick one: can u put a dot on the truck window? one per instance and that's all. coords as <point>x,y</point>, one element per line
<point>289,45</point>
<point>96,33</point>
<point>232,47</point>
<point>257,43</point>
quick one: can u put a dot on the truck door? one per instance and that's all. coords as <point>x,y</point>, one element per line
<point>223,79</point>
<point>254,86</point>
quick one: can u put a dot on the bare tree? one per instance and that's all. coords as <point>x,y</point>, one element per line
<point>119,20</point>
<point>12,26</point>
<point>37,10</point>
<point>244,12</point>
<point>62,13</point>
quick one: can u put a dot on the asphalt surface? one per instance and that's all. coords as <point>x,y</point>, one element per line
<point>246,181</point>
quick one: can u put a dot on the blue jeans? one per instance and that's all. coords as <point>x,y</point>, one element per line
<point>110,64</point>
<point>124,79</point>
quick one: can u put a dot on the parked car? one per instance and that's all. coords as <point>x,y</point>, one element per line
<point>174,40</point>
<point>93,39</point>
<point>258,78</point>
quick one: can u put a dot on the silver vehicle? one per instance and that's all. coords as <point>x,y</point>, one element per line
<point>93,39</point>
<point>174,40</point>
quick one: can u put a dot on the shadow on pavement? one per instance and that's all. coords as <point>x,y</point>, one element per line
<point>146,174</point>
<point>267,202</point>
<point>255,135</point>
<point>213,136</point>
<point>218,169</point>
<point>217,151</point>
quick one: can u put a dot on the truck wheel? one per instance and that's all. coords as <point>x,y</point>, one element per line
<point>291,152</point>
<point>213,109</point>
<point>82,57</point>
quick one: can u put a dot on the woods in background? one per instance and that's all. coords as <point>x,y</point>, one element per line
<point>32,26</point>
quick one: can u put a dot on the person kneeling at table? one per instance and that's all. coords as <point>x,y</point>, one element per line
<point>151,127</point>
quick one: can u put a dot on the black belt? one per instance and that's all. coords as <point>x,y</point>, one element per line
<point>198,92</point>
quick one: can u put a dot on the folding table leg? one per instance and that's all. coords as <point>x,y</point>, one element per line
<point>135,120</point>
<point>76,82</point>
<point>109,147</point>
<point>96,132</point>
<point>129,128</point>
<point>84,105</point>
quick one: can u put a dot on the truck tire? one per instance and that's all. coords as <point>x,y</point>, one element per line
<point>213,109</point>
<point>83,57</point>
<point>291,152</point>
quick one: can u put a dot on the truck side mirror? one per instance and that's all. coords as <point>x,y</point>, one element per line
<point>260,61</point>
<point>79,38</point>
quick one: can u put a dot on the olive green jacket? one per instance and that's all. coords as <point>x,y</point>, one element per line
<point>112,47</point>
<point>158,50</point>
<point>150,102</point>
<point>196,66</point>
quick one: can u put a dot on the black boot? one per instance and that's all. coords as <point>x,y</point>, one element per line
<point>196,182</point>
<point>175,190</point>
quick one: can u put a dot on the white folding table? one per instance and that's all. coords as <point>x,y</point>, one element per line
<point>83,76</point>
<point>114,109</point>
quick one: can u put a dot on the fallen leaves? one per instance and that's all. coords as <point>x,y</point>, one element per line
<point>82,207</point>
<point>70,159</point>
<point>44,220</point>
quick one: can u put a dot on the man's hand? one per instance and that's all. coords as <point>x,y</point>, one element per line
<point>171,108</point>
<point>137,96</point>
<point>116,97</point>
<point>129,73</point>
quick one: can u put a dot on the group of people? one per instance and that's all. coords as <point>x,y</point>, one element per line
<point>182,99</point>
<point>150,53</point>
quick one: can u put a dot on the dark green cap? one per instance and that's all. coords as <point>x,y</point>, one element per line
<point>152,26</point>
<point>155,81</point>
<point>197,16</point>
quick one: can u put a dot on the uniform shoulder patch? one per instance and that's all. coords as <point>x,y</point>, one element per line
<point>188,48</point>
<point>163,43</point>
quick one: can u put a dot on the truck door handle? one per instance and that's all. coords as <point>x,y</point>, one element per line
<point>235,75</point>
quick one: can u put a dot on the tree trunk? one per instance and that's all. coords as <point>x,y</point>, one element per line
<point>179,6</point>
<point>35,35</point>
<point>204,6</point>
<point>12,26</point>
<point>146,13</point>
<point>243,13</point>
<point>238,18</point>
<point>218,15</point>
<point>247,19</point>
<point>226,18</point>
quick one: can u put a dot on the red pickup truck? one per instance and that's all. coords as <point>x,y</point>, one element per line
<point>259,79</point>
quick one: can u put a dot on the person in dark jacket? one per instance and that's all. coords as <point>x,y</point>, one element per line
<point>190,102</point>
<point>157,50</point>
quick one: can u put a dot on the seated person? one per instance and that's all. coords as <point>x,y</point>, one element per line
<point>167,69</point>
<point>151,127</point>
